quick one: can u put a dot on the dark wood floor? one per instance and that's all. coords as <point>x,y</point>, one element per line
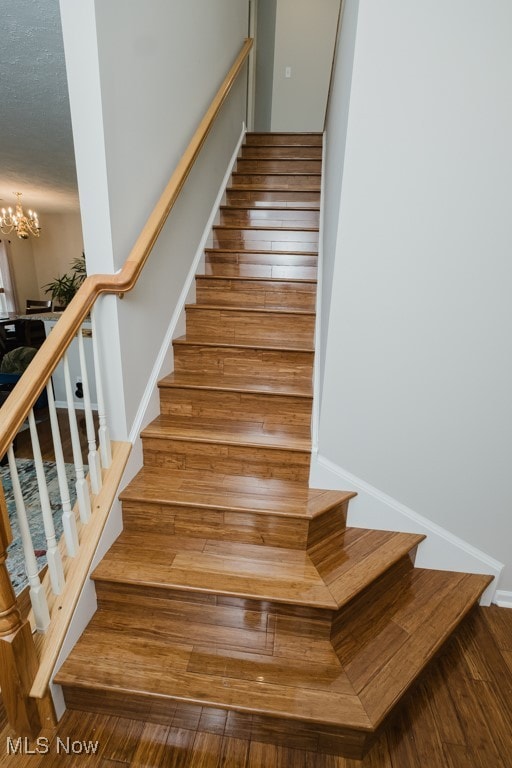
<point>459,716</point>
<point>23,448</point>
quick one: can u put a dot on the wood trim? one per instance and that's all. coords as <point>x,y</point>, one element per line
<point>29,387</point>
<point>62,606</point>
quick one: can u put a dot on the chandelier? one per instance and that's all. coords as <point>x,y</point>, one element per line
<point>23,225</point>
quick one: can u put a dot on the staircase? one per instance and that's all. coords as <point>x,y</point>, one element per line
<point>236,599</point>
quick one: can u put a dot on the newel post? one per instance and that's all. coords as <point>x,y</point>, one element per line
<point>18,657</point>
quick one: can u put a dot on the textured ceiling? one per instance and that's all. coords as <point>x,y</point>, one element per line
<point>36,144</point>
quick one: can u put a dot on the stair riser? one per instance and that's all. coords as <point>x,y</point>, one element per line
<point>267,198</point>
<point>326,526</point>
<point>263,166</point>
<point>394,583</point>
<point>238,327</point>
<point>250,293</point>
<point>280,365</point>
<point>278,139</point>
<point>247,526</point>
<point>258,217</point>
<point>265,239</point>
<point>227,459</point>
<point>269,152</point>
<point>269,410</point>
<point>268,264</point>
<point>291,734</point>
<point>224,269</point>
<point>219,524</point>
<point>261,258</point>
<point>204,618</point>
<point>305,182</point>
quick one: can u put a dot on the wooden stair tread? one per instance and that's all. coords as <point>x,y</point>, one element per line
<point>282,346</point>
<point>352,558</point>
<point>276,137</point>
<point>231,569</point>
<point>236,493</point>
<point>286,152</point>
<point>266,165</point>
<point>253,571</point>
<point>292,206</point>
<point>257,280</point>
<point>266,152</point>
<point>249,433</point>
<point>248,252</point>
<point>267,694</point>
<point>276,173</point>
<point>386,658</point>
<point>256,228</point>
<point>254,187</point>
<point>277,310</point>
<point>237,384</point>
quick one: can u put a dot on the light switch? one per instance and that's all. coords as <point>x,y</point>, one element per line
<point>288,72</point>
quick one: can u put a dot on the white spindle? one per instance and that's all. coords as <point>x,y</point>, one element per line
<point>36,591</point>
<point>52,551</point>
<point>103,433</point>
<point>82,489</point>
<point>68,518</point>
<point>93,456</point>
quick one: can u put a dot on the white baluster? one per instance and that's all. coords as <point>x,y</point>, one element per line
<point>82,489</point>
<point>93,456</point>
<point>68,518</point>
<point>103,433</point>
<point>36,591</point>
<point>52,552</point>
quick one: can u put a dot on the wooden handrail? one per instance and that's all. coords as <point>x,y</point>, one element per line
<point>29,387</point>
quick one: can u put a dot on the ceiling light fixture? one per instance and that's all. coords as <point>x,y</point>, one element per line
<point>23,225</point>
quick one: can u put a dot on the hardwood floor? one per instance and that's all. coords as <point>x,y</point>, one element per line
<point>459,715</point>
<point>235,595</point>
<point>24,446</point>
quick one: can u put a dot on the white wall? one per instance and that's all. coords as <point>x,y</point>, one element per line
<point>265,37</point>
<point>60,243</point>
<point>335,141</point>
<point>304,41</point>
<point>416,396</point>
<point>146,84</point>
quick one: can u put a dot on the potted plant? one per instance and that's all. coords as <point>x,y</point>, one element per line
<point>62,289</point>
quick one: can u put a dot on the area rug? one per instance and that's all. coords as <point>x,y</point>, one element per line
<point>28,482</point>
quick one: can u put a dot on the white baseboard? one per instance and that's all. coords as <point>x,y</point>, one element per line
<point>502,598</point>
<point>372,508</point>
<point>179,311</point>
